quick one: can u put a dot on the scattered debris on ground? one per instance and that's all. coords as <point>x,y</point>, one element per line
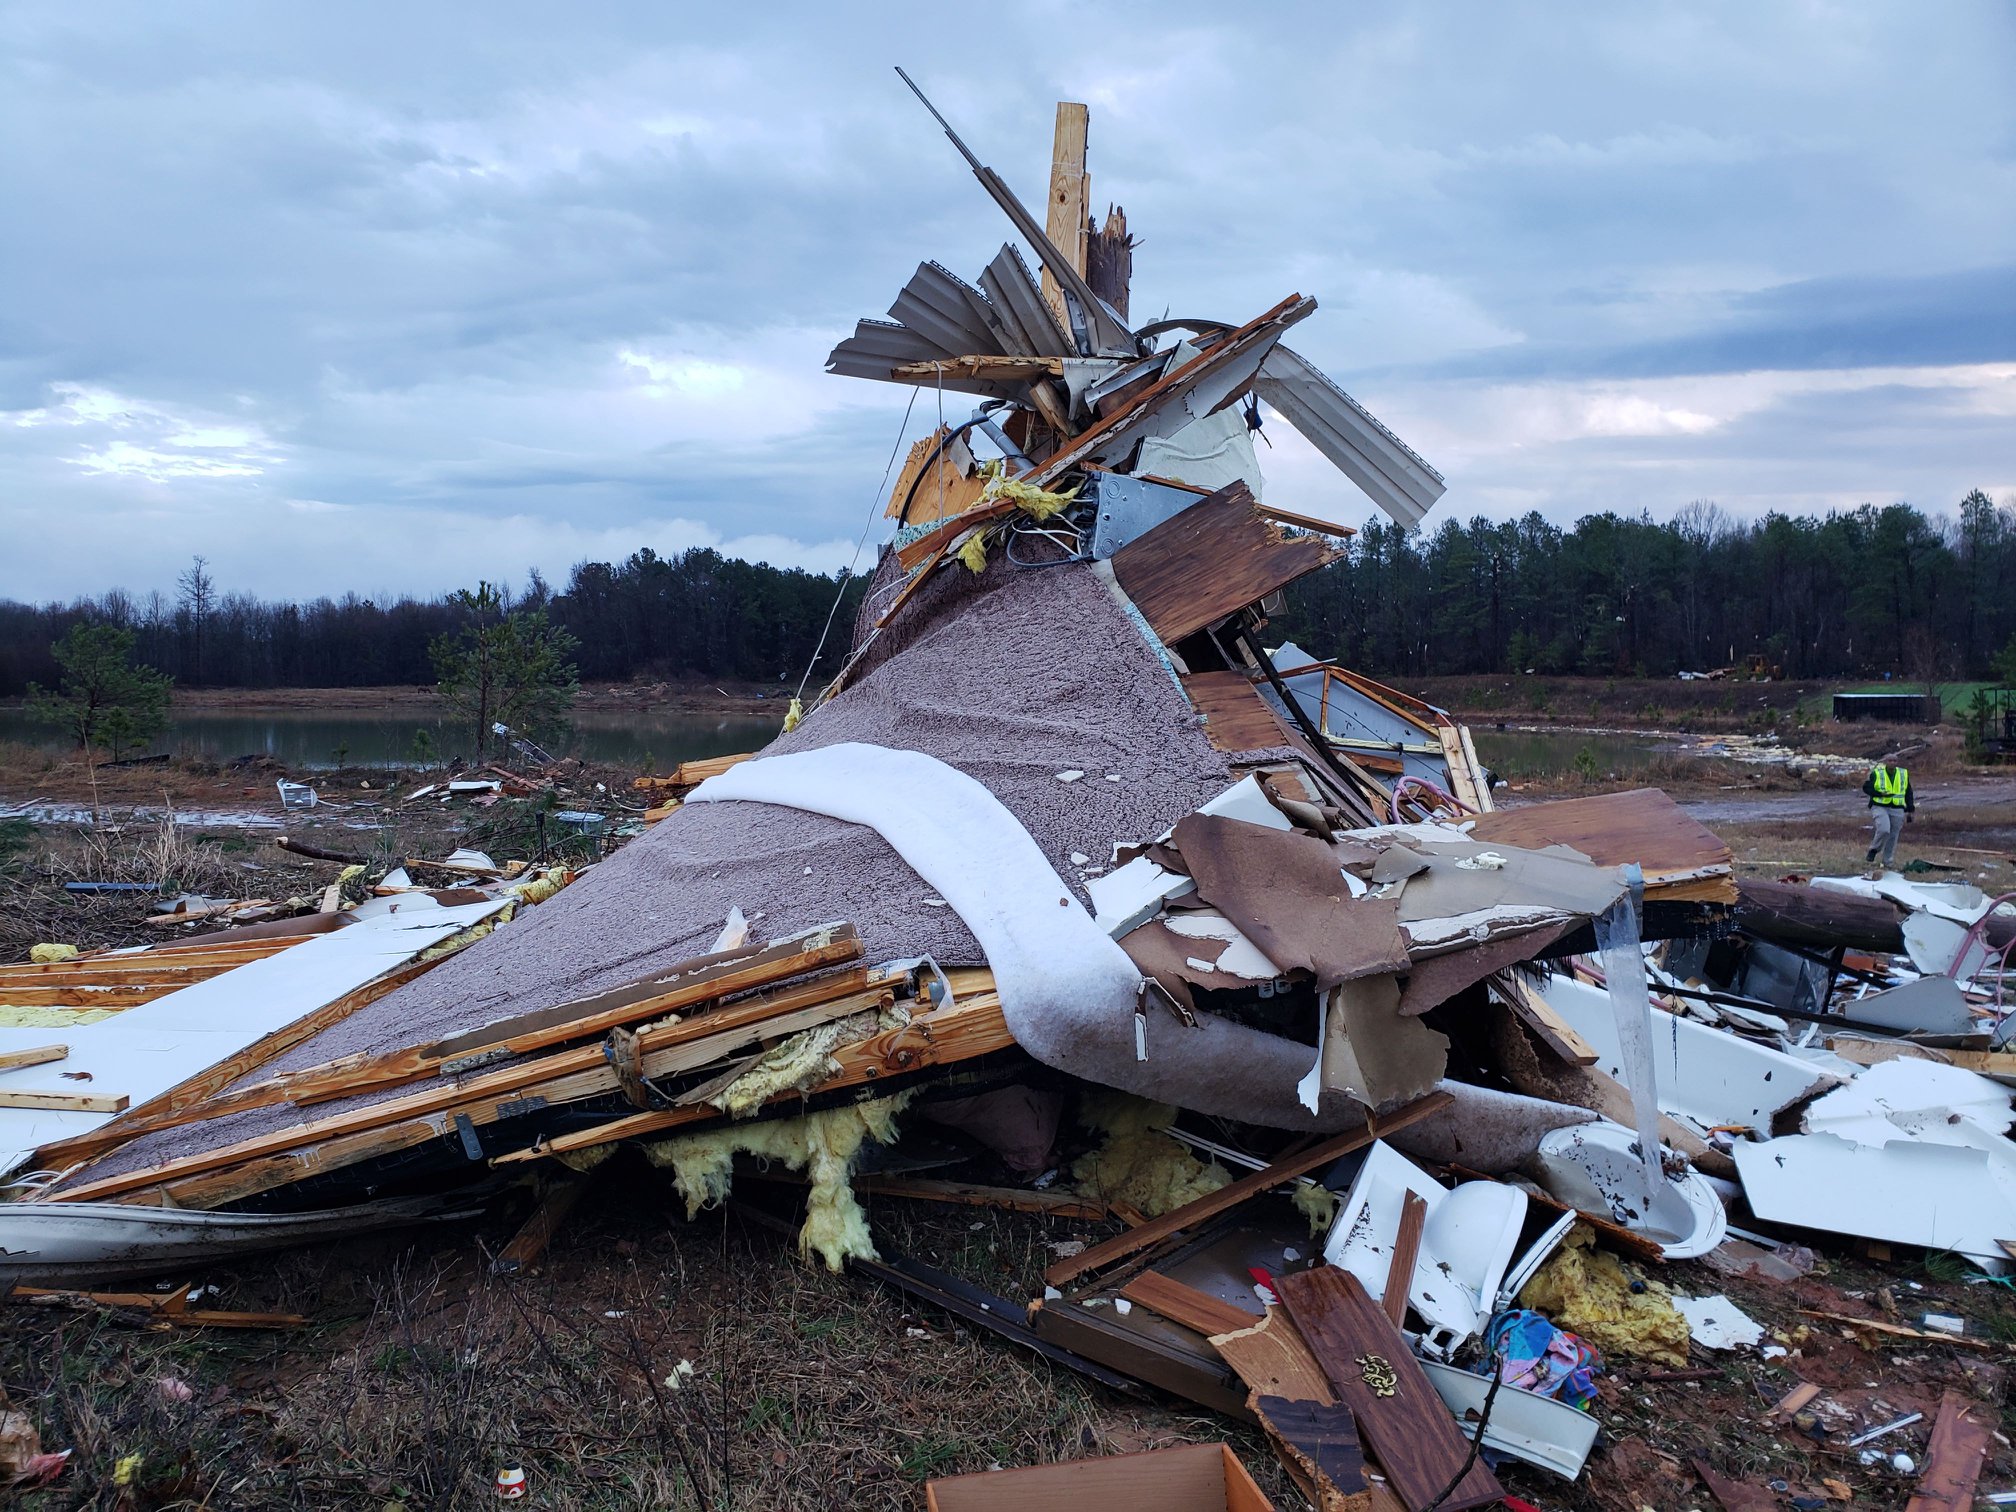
<point>1091,1007</point>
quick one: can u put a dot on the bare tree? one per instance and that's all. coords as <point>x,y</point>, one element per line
<point>199,598</point>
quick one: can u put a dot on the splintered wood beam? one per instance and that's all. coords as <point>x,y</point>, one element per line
<point>1064,221</point>
<point>1109,260</point>
<point>1232,1194</point>
<point>972,1026</point>
<point>565,1076</point>
<point>985,369</point>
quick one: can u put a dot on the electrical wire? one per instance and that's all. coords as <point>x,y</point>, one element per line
<point>840,589</point>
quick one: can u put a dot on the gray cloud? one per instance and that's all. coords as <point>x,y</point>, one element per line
<point>386,297</point>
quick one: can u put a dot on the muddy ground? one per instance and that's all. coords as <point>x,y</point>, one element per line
<point>420,1373</point>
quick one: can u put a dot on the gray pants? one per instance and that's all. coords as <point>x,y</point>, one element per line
<point>1889,825</point>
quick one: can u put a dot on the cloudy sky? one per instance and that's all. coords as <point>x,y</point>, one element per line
<point>390,297</point>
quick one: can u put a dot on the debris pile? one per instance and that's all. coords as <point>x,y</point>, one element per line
<point>1066,847</point>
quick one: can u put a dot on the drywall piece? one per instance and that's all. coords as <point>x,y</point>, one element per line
<point>1939,1196</point>
<point>1707,1076</point>
<point>1908,1099</point>
<point>148,1049</point>
<point>1717,1323</point>
<point>1129,896</point>
<point>1596,1168</point>
<point>1245,800</point>
<point>1539,1430</point>
<point>1220,939</point>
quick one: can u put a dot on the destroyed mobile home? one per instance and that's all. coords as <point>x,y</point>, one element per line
<point>1388,1076</point>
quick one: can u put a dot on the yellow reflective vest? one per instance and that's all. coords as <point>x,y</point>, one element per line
<point>1890,786</point>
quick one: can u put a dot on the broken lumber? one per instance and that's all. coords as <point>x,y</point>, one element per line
<point>398,1123</point>
<point>63,1102</point>
<point>1373,1372</point>
<point>1234,1193</point>
<point>700,981</point>
<point>201,1089</point>
<point>170,1308</point>
<point>969,1027</point>
<point>529,1243</point>
<point>41,1055</point>
<point>1961,1438</point>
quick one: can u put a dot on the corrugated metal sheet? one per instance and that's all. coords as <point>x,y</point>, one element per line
<point>1014,294</point>
<point>1392,474</point>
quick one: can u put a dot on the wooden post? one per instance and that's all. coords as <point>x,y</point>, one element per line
<point>1066,223</point>
<point>1109,260</point>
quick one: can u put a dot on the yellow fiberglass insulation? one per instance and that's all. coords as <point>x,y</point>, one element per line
<point>1138,1164</point>
<point>1590,1292</point>
<point>15,1017</point>
<point>49,955</point>
<point>1318,1204</point>
<point>801,1062</point>
<point>824,1145</point>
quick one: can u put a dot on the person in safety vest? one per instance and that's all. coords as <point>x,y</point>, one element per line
<point>1890,796</point>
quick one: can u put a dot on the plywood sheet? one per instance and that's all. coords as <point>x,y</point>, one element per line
<point>1236,717</point>
<point>1217,556</point>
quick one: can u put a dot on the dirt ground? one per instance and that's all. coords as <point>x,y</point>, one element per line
<point>420,1373</point>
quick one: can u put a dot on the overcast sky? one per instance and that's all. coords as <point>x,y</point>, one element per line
<point>391,297</point>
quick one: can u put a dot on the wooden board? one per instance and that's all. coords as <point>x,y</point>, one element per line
<point>1236,717</point>
<point>1233,1193</point>
<point>1406,1251</point>
<point>1961,1439</point>
<point>1217,556</point>
<point>541,1224</point>
<point>1538,1015</point>
<point>1064,219</point>
<point>1643,825</point>
<point>66,1102</point>
<point>1373,1372</point>
<point>1183,1304</point>
<point>1274,1362</point>
<point>41,1055</point>
<point>1321,1442</point>
<point>1193,1478</point>
<point>950,486</point>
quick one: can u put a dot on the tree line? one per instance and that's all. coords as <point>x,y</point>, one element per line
<point>695,614</point>
<point>1854,593</point>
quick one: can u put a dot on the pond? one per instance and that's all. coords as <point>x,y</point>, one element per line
<point>308,739</point>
